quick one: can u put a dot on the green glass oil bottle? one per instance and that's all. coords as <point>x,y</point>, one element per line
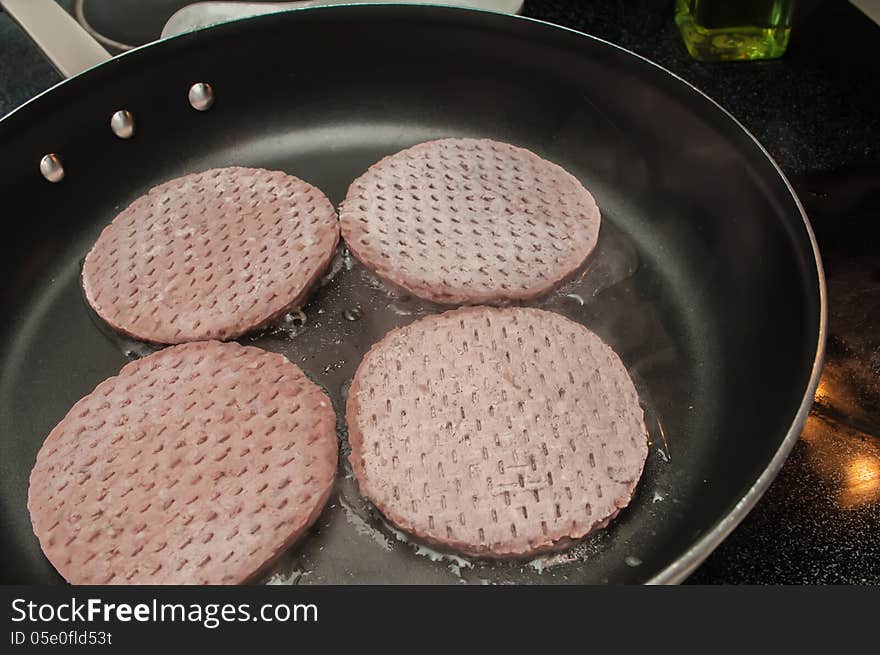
<point>731,30</point>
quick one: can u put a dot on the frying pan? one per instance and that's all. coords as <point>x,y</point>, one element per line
<point>706,279</point>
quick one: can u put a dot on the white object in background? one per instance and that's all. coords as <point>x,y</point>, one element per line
<point>205,14</point>
<point>871,8</point>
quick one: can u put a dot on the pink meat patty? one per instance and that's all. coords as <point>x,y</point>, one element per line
<point>211,255</point>
<point>469,221</point>
<point>496,433</point>
<point>198,464</point>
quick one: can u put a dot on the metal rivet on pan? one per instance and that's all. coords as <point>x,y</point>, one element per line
<point>122,124</point>
<point>51,168</point>
<point>201,96</point>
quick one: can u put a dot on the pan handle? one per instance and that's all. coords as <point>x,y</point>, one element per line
<point>67,45</point>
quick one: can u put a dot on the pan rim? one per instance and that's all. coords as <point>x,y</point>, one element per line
<point>683,565</point>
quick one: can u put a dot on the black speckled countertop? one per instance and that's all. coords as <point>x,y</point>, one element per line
<point>816,111</point>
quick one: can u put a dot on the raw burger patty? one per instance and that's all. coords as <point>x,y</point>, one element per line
<point>496,432</point>
<point>469,221</point>
<point>196,465</point>
<point>211,255</point>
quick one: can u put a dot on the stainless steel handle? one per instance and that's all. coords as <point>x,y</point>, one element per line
<point>203,14</point>
<point>67,45</point>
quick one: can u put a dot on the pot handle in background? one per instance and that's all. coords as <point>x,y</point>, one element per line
<point>71,49</point>
<point>67,45</point>
<point>205,14</point>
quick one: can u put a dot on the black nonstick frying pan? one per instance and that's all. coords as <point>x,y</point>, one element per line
<point>706,279</point>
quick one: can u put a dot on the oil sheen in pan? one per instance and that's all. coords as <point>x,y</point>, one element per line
<point>349,312</point>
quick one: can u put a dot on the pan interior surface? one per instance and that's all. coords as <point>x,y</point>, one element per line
<point>703,280</point>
